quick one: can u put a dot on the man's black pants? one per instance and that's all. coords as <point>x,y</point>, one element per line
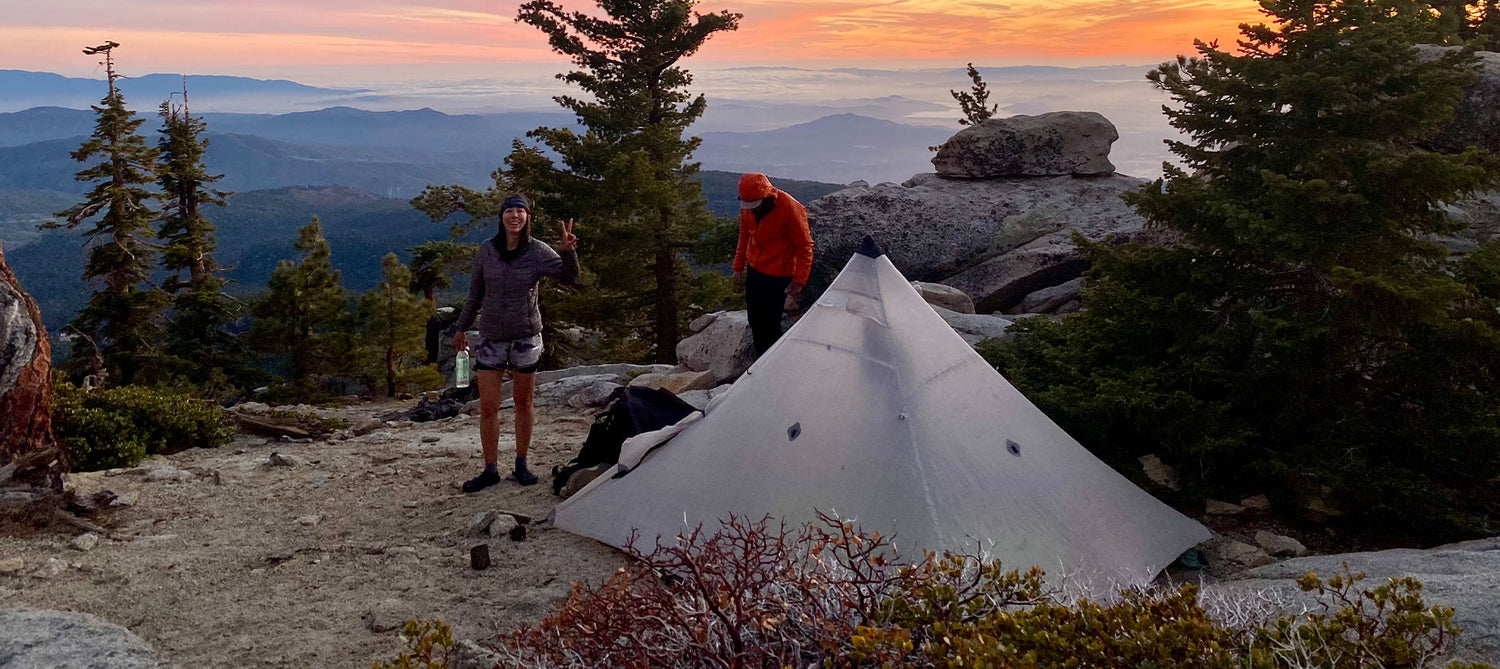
<point>765,299</point>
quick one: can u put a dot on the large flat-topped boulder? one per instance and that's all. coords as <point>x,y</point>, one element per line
<point>1463,576</point>
<point>1051,144</point>
<point>43,638</point>
<point>997,240</point>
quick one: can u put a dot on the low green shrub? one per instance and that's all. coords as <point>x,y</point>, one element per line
<point>121,426</point>
<point>429,645</point>
<point>831,596</point>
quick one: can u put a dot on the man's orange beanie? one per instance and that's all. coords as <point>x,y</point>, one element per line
<point>754,186</point>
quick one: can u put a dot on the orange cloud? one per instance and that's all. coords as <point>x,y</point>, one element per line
<point>209,36</point>
<point>979,31</point>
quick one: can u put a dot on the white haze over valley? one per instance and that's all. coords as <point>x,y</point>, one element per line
<point>750,100</point>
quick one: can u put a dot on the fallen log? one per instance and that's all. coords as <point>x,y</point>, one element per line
<point>263,425</point>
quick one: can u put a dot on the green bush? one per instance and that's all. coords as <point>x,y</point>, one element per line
<point>429,645</point>
<point>121,426</point>
<point>829,595</point>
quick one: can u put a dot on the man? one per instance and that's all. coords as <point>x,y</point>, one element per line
<point>774,256</point>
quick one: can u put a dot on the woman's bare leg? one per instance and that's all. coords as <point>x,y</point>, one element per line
<point>523,389</point>
<point>489,414</point>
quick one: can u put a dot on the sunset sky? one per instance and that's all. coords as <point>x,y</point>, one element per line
<point>313,40</point>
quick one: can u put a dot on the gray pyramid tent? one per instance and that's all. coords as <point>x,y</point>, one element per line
<point>872,407</point>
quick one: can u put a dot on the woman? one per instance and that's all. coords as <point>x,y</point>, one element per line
<point>503,293</point>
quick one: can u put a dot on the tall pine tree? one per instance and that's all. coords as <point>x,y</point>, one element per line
<point>119,329</point>
<point>393,322</point>
<point>1306,332</point>
<point>197,338</point>
<point>627,178</point>
<point>301,313</point>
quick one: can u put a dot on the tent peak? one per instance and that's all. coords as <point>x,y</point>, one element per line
<point>869,248</point>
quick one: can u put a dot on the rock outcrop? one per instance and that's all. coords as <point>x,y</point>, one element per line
<point>1476,122</point>
<point>43,638</point>
<point>29,461</point>
<point>1464,576</point>
<point>1052,144</point>
<point>721,345</point>
<point>996,240</point>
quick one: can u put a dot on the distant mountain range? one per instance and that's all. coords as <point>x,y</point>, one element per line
<point>842,147</point>
<point>396,153</point>
<point>22,89</point>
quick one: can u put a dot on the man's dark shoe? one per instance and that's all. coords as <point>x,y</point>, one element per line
<point>484,480</point>
<point>524,476</point>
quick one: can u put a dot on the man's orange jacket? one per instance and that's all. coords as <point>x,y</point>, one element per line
<point>780,244</point>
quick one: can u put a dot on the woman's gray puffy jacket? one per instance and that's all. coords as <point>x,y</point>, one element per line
<point>504,293</point>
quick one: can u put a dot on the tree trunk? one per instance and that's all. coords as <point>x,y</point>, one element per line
<point>666,294</point>
<point>390,371</point>
<point>25,387</point>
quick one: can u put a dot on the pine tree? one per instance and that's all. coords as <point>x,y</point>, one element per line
<point>627,178</point>
<point>196,333</point>
<point>120,326</point>
<point>393,321</point>
<point>300,313</point>
<point>974,103</point>
<point>433,264</point>
<point>1305,332</point>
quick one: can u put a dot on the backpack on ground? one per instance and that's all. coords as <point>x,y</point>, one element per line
<point>630,411</point>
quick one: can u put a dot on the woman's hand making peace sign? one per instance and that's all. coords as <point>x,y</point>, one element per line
<point>569,240</point>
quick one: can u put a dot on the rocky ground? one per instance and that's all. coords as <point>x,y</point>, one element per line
<point>265,553</point>
<point>221,558</point>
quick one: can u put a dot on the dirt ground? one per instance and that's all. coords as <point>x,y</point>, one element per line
<point>244,564</point>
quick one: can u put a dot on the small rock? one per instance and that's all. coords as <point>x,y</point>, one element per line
<point>520,517</point>
<point>386,616</point>
<point>52,569</point>
<point>133,471</point>
<point>126,499</point>
<point>279,460</point>
<point>409,504</point>
<point>1159,472</point>
<point>1216,508</point>
<point>278,558</point>
<point>518,533</point>
<point>1279,545</point>
<point>11,566</point>
<point>481,522</point>
<point>165,474</point>
<point>365,427</point>
<point>86,542</point>
<point>309,520</point>
<point>285,439</point>
<point>431,439</point>
<point>384,458</point>
<point>502,525</point>
<point>1226,555</point>
<point>1256,503</point>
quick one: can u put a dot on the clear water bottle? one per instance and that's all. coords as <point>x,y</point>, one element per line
<point>461,369</point>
